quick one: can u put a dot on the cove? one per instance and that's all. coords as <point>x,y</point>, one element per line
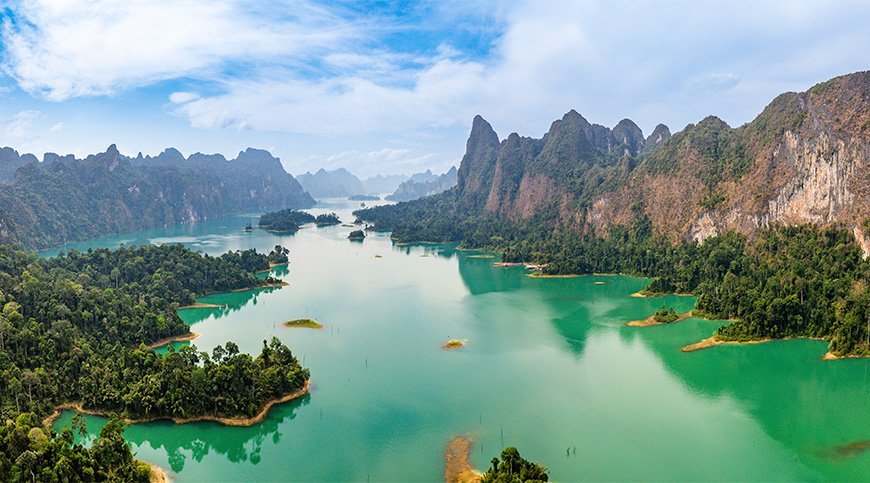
<point>548,364</point>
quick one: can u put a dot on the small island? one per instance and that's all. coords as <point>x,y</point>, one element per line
<point>303,324</point>
<point>364,198</point>
<point>285,220</point>
<point>327,219</point>
<point>663,316</point>
<point>357,235</point>
<point>453,344</point>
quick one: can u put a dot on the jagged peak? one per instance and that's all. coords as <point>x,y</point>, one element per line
<point>482,135</point>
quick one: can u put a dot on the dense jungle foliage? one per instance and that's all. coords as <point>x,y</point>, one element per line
<point>74,329</point>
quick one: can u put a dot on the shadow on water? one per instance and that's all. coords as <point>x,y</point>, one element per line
<point>228,302</point>
<point>784,385</point>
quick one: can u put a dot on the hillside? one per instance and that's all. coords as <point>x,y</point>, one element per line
<point>64,199</point>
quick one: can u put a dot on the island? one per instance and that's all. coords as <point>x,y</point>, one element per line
<point>303,324</point>
<point>285,220</point>
<point>663,316</point>
<point>453,344</point>
<point>364,198</point>
<point>357,235</point>
<point>327,219</point>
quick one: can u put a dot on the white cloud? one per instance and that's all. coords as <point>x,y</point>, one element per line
<point>654,62</point>
<point>64,49</point>
<point>182,97</point>
<point>55,127</point>
<point>20,126</point>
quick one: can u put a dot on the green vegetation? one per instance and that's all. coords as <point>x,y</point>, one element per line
<point>513,468</point>
<point>364,198</point>
<point>785,282</point>
<point>279,255</point>
<point>327,219</point>
<point>357,235</point>
<point>29,452</point>
<point>304,324</point>
<point>665,316</point>
<point>285,220</point>
<point>75,328</point>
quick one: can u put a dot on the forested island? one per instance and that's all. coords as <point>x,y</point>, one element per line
<point>357,235</point>
<point>327,219</point>
<point>697,211</point>
<point>364,198</point>
<point>285,220</point>
<point>74,331</point>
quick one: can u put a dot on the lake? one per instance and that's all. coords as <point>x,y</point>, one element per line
<point>548,367</point>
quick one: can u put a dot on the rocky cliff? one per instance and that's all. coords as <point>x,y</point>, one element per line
<point>804,159</point>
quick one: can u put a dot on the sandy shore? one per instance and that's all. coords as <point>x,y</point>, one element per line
<point>830,356</point>
<point>544,275</point>
<point>457,468</point>
<point>273,265</point>
<point>642,295</point>
<point>239,421</point>
<point>178,338</point>
<point>453,344</point>
<point>280,283</point>
<point>599,283</point>
<point>158,475</point>
<point>651,321</point>
<point>713,341</point>
<point>200,305</point>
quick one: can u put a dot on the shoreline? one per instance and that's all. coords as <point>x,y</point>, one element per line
<point>457,467</point>
<point>178,338</point>
<point>642,295</point>
<point>234,421</point>
<point>544,275</point>
<point>830,356</point>
<point>712,341</point>
<point>158,474</point>
<point>651,321</point>
<point>280,283</point>
<point>200,305</point>
<point>271,266</point>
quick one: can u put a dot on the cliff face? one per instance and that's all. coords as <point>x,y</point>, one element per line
<point>804,159</point>
<point>63,199</point>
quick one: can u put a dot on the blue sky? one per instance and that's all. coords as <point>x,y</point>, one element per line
<point>392,87</point>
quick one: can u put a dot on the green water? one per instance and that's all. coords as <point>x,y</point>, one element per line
<point>548,365</point>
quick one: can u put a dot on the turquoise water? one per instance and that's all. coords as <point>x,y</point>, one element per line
<point>548,365</point>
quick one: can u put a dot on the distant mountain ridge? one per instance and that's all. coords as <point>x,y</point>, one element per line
<point>424,184</point>
<point>338,183</point>
<point>64,199</point>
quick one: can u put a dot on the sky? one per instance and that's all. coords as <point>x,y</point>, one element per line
<point>392,87</point>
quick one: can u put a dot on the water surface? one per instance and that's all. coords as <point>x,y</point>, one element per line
<point>549,365</point>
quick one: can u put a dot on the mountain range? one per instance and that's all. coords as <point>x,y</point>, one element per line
<point>63,199</point>
<point>424,184</point>
<point>804,159</point>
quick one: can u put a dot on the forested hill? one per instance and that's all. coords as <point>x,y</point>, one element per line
<point>64,199</point>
